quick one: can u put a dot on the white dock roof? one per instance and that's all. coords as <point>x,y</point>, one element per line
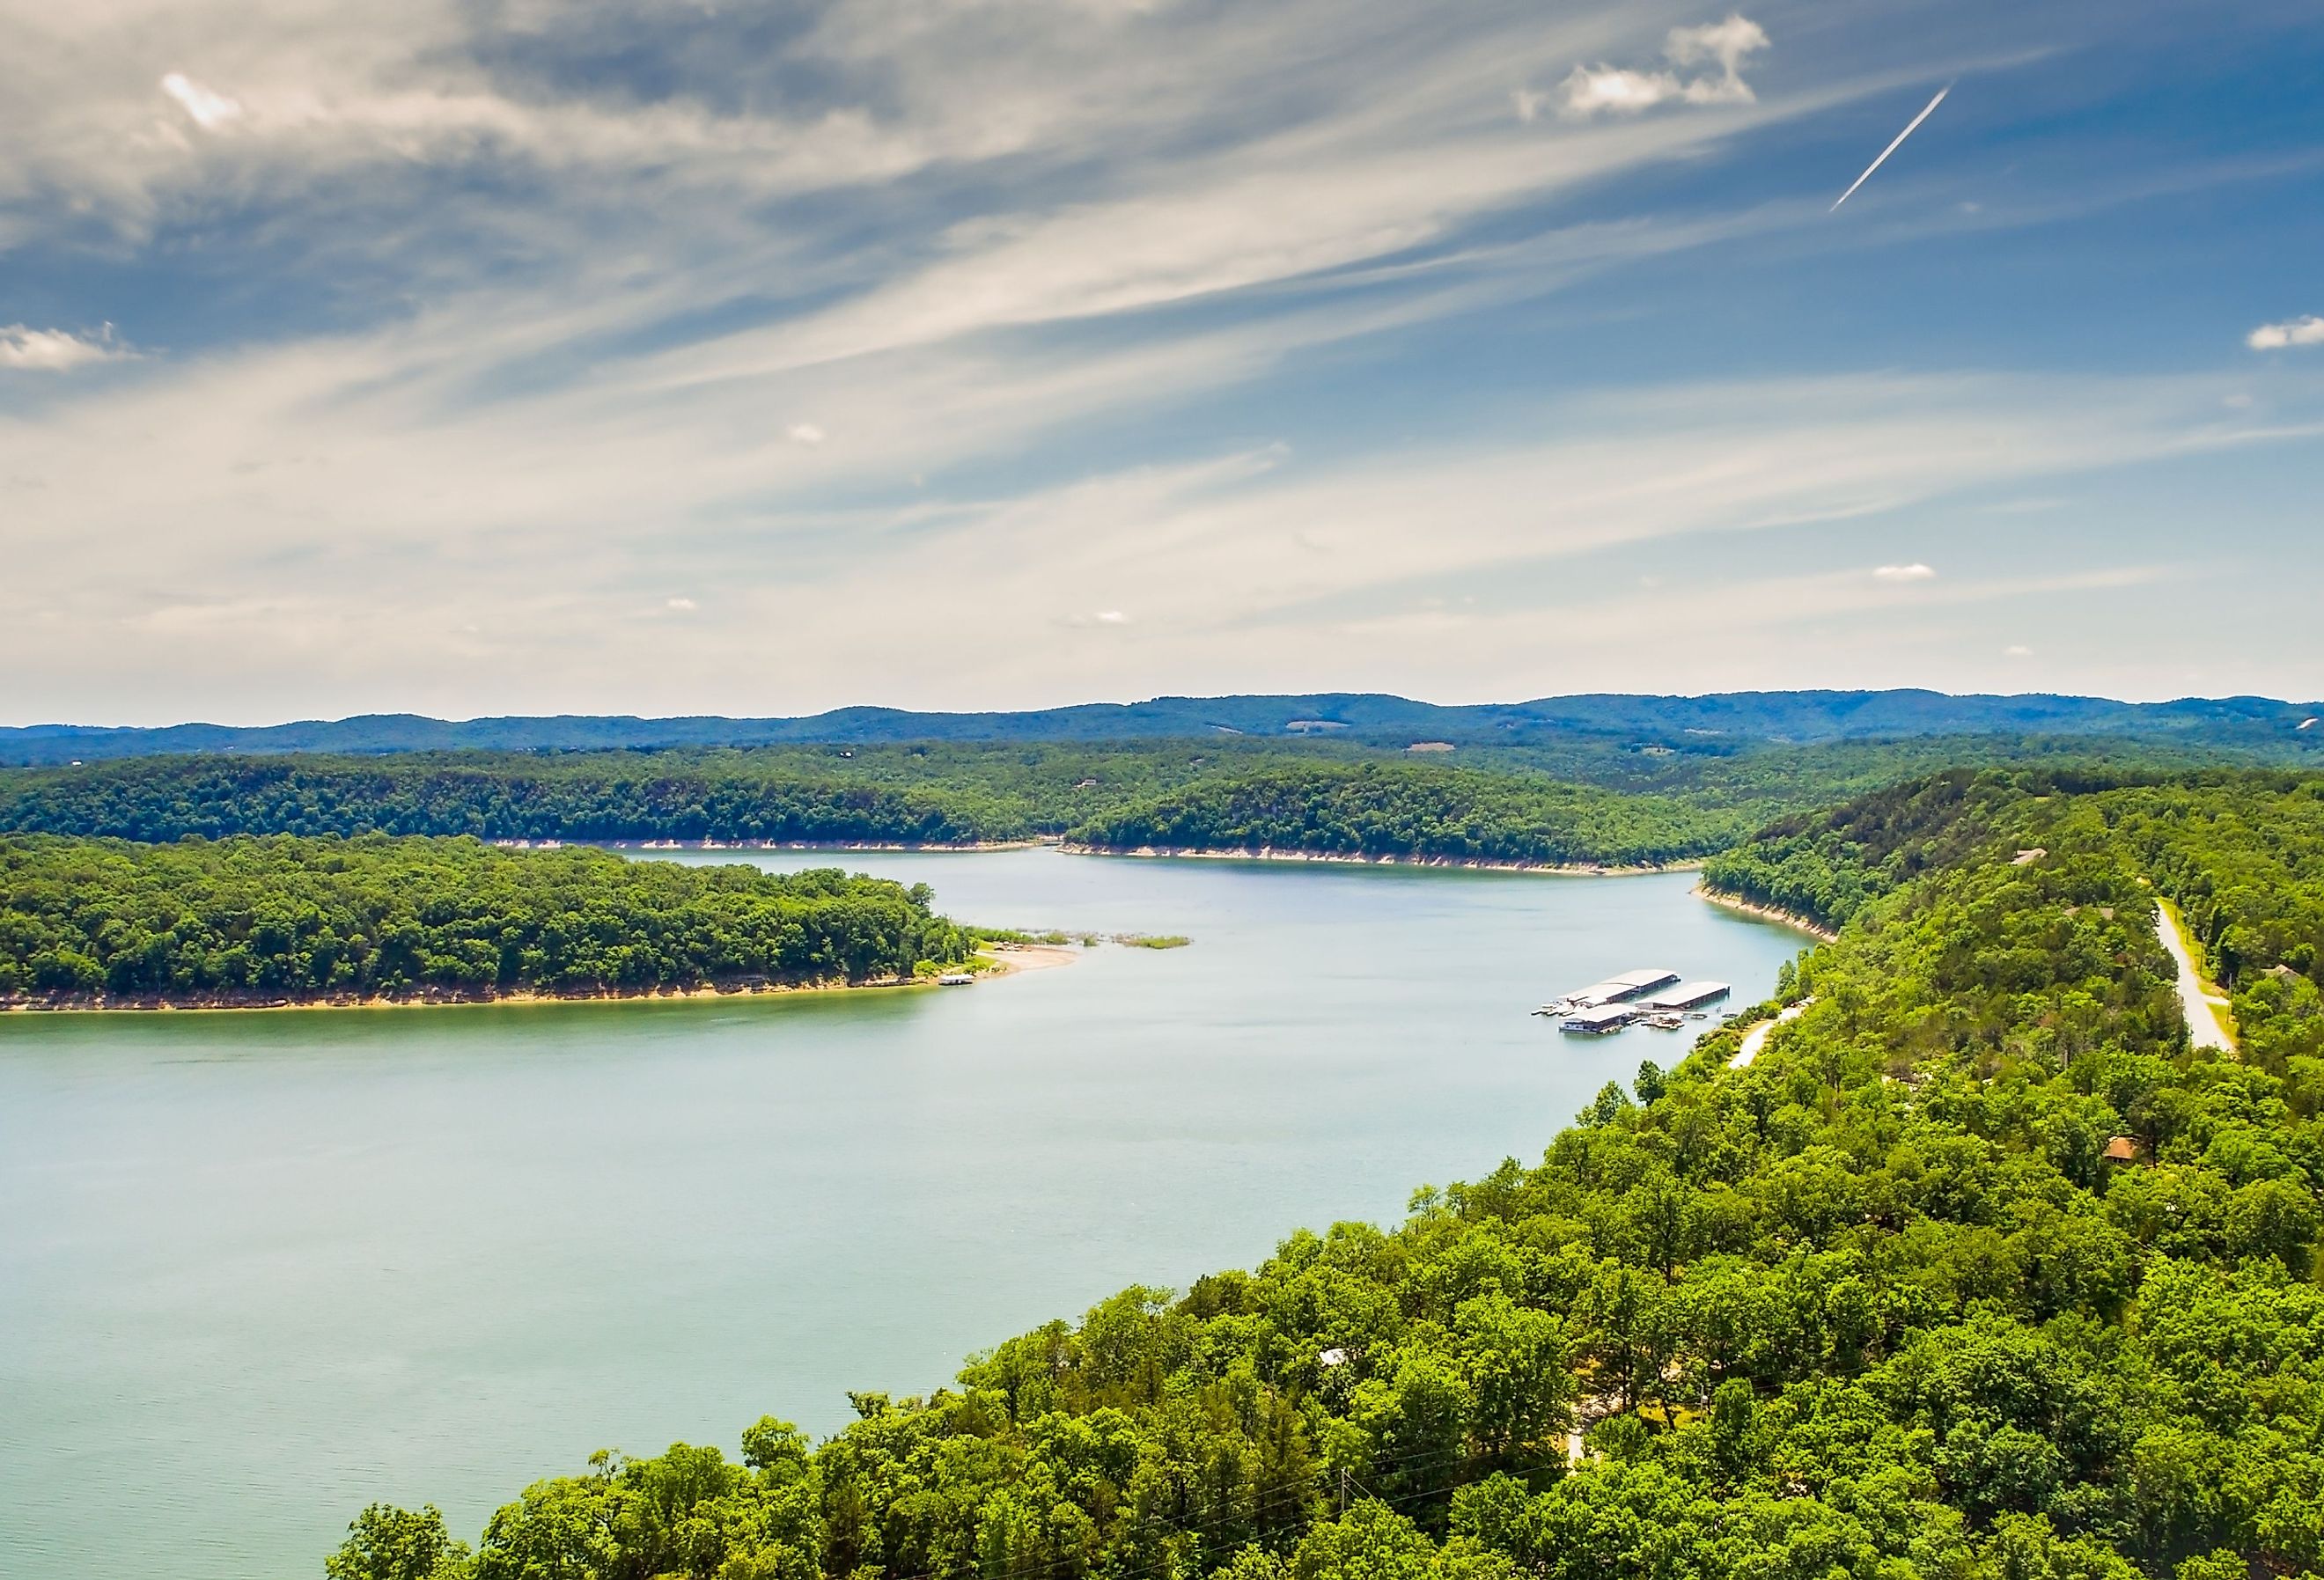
<point>1687,994</point>
<point>1602,1015</point>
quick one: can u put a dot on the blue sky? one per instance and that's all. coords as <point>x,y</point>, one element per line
<point>668,357</point>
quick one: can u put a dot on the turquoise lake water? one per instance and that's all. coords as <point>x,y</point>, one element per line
<point>259,1269</point>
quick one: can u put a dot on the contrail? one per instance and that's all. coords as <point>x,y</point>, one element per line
<point>1892,148</point>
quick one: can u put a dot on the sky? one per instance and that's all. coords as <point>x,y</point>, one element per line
<point>488,357</point>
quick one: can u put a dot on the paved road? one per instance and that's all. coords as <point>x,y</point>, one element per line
<point>2203,1028</point>
<point>1756,1038</point>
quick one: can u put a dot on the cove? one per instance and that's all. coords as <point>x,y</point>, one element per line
<point>259,1269</point>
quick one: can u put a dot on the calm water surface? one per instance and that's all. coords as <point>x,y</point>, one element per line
<point>258,1269</point>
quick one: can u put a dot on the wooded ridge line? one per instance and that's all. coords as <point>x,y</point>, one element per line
<point>1791,716</point>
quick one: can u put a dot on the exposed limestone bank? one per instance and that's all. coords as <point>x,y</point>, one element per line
<point>1790,919</point>
<point>1340,858</point>
<point>1001,960</point>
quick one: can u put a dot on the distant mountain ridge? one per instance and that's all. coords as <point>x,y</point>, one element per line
<point>1743,717</point>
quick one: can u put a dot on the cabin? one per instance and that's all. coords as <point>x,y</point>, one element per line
<point>2122,1149</point>
<point>1597,1020</point>
<point>1687,996</point>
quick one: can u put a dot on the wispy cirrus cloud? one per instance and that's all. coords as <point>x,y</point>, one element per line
<point>1058,305</point>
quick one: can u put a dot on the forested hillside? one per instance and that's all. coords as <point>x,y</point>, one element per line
<point>1375,809</point>
<point>1502,802</point>
<point>258,920</point>
<point>599,797</point>
<point>1828,865</point>
<point>2251,723</point>
<point>1976,1272</point>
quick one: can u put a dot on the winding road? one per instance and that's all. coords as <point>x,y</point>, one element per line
<point>2203,1028</point>
<point>1756,1038</point>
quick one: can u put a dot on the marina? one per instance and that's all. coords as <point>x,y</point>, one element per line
<point>1649,996</point>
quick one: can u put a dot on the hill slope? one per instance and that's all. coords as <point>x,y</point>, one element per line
<point>1733,717</point>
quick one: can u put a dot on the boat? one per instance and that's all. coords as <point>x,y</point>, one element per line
<point>955,979</point>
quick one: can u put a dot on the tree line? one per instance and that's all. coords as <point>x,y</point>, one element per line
<point>281,916</point>
<point>1979,1272</point>
<point>1383,809</point>
<point>1583,800</point>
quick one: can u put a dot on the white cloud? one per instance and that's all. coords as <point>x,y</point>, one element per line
<point>209,110</point>
<point>1726,43</point>
<point>1111,617</point>
<point>683,606</point>
<point>2304,331</point>
<point>55,350</point>
<point>2017,650</point>
<point>806,433</point>
<point>1913,572</point>
<point>1589,90</point>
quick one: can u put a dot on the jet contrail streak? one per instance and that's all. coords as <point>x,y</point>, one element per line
<point>1892,148</point>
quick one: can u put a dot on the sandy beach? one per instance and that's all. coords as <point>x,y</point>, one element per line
<point>1008,959</point>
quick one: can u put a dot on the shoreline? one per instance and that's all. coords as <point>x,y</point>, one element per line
<point>1773,913</point>
<point>1341,858</point>
<point>869,847</point>
<point>1001,960</point>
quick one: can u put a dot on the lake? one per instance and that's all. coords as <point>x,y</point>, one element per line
<point>258,1269</point>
